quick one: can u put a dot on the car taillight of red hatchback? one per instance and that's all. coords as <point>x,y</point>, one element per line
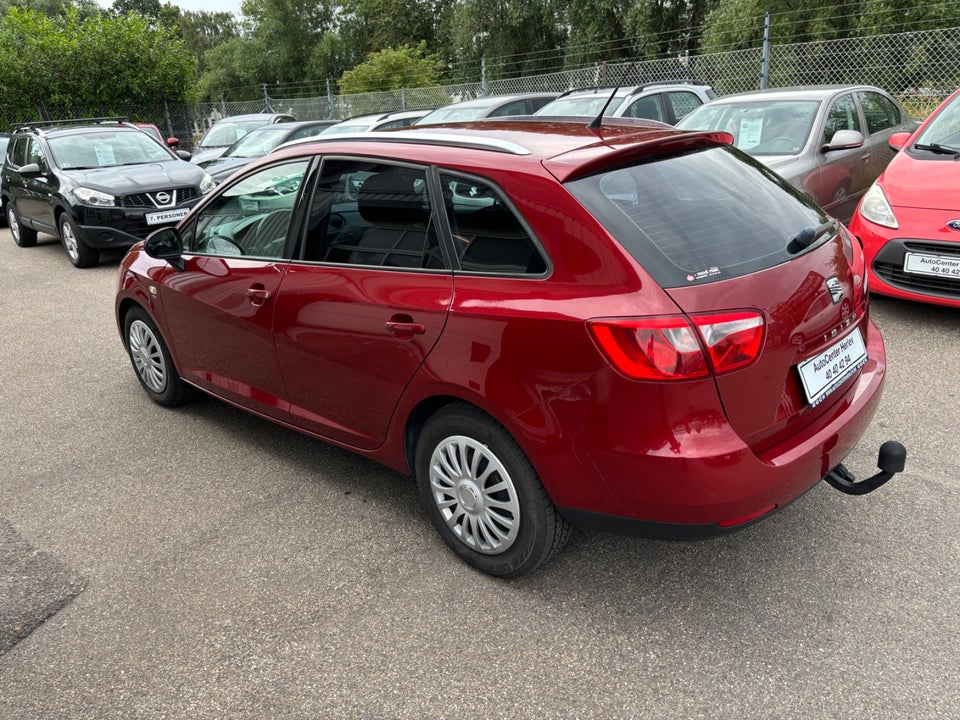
<point>629,328</point>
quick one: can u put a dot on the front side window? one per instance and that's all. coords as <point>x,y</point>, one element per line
<point>250,218</point>
<point>488,236</point>
<point>842,115</point>
<point>648,108</point>
<point>373,214</point>
<point>683,103</point>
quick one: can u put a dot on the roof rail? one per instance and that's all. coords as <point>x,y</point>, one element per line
<point>635,88</point>
<point>74,121</point>
<point>419,138</point>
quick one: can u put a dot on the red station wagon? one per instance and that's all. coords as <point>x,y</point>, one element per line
<point>630,328</point>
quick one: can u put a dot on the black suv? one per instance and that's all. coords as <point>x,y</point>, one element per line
<point>97,184</point>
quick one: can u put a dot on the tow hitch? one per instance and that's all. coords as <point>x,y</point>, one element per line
<point>893,458</point>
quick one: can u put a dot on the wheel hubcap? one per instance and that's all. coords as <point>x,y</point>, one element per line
<point>147,357</point>
<point>475,495</point>
<point>69,241</point>
<point>14,225</point>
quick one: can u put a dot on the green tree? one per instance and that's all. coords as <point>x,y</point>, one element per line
<point>288,31</point>
<point>202,31</point>
<point>62,63</point>
<point>392,69</point>
<point>234,70</point>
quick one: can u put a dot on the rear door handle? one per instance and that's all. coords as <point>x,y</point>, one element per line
<point>405,329</point>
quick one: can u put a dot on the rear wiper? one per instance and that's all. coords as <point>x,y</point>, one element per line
<point>806,237</point>
<point>938,149</point>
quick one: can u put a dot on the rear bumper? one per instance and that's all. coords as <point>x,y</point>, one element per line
<point>695,477</point>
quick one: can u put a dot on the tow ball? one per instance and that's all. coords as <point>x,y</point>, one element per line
<point>893,458</point>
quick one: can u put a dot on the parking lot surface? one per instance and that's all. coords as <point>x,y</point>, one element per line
<point>223,567</point>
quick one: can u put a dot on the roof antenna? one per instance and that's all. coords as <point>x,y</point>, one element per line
<point>596,123</point>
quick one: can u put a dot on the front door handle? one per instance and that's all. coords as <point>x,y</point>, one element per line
<point>258,295</point>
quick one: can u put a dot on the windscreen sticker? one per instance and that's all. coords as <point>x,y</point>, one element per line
<point>703,274</point>
<point>750,131</point>
<point>105,155</point>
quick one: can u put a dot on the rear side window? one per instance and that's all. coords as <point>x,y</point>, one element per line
<point>488,236</point>
<point>683,103</point>
<point>648,108</point>
<point>372,214</point>
<point>698,217</point>
<point>880,112</point>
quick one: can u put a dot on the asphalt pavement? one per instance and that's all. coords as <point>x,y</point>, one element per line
<point>203,563</point>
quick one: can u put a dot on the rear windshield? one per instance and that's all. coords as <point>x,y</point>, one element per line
<point>699,217</point>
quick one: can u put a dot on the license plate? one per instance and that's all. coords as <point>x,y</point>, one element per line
<point>166,216</point>
<point>936,265</point>
<point>824,373</point>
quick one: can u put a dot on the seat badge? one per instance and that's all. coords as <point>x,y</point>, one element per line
<point>836,290</point>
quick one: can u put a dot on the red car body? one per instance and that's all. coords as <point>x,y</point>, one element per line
<point>363,356</point>
<point>911,233</point>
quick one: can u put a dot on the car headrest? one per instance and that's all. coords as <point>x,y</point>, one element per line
<point>390,198</point>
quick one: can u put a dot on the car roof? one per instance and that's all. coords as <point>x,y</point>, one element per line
<point>252,116</point>
<point>492,100</point>
<point>570,148</point>
<point>799,92</point>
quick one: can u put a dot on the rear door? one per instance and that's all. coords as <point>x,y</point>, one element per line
<point>363,307</point>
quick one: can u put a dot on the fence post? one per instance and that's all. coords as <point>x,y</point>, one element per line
<point>329,101</point>
<point>266,99</point>
<point>484,89</point>
<point>166,118</point>
<point>403,98</point>
<point>765,61</point>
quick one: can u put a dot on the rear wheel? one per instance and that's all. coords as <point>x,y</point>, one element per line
<point>151,360</point>
<point>483,495</point>
<point>22,236</point>
<point>80,254</point>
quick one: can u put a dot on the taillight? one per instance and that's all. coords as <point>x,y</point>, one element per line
<point>673,348</point>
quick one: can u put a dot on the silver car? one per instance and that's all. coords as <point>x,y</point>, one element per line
<point>830,141</point>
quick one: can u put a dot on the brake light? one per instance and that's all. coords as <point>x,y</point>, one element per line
<point>673,348</point>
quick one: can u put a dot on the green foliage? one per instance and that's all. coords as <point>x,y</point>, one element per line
<point>287,31</point>
<point>235,70</point>
<point>75,61</point>
<point>392,69</point>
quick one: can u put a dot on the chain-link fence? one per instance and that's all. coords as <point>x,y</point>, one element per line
<point>920,68</point>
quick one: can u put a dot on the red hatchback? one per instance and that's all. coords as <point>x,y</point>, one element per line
<point>633,328</point>
<point>909,220</point>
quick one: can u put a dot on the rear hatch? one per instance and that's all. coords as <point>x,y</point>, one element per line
<point>723,234</point>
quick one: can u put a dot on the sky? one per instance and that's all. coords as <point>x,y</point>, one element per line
<point>230,6</point>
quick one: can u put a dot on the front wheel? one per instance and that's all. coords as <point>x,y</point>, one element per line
<point>151,360</point>
<point>80,254</point>
<point>483,495</point>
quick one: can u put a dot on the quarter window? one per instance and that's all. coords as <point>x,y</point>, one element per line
<point>487,235</point>
<point>649,108</point>
<point>252,217</point>
<point>682,103</point>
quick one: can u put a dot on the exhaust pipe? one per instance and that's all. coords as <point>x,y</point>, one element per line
<point>892,460</point>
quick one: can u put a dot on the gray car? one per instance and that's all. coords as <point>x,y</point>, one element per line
<point>830,141</point>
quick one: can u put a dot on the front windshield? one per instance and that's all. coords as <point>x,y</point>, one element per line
<point>257,143</point>
<point>106,148</point>
<point>227,132</point>
<point>779,127</point>
<point>455,114</point>
<point>944,129</point>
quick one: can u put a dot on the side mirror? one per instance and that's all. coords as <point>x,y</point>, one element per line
<point>165,244</point>
<point>31,170</point>
<point>845,140</point>
<point>898,140</point>
<point>183,154</point>
<point>173,142</point>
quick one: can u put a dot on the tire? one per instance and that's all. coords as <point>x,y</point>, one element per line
<point>22,236</point>
<point>80,254</point>
<point>151,360</point>
<point>483,496</point>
